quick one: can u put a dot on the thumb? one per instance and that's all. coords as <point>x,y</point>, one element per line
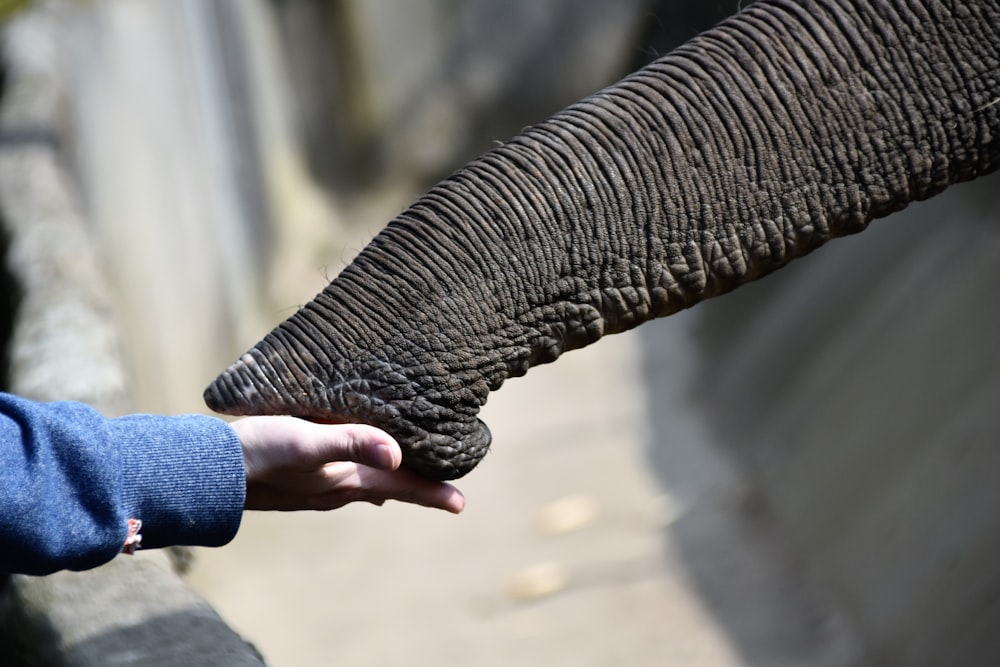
<point>358,443</point>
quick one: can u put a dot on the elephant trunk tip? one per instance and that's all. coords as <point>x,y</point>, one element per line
<point>219,398</point>
<point>242,389</point>
<point>445,446</point>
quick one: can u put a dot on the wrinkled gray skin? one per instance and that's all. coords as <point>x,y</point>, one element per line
<point>755,143</point>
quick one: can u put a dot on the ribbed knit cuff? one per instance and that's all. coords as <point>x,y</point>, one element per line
<point>183,478</point>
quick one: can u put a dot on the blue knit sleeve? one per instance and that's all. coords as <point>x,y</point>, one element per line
<point>71,479</point>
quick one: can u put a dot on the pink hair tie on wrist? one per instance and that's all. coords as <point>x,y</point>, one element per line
<point>134,539</point>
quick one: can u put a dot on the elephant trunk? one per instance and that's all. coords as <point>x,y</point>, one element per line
<point>755,143</point>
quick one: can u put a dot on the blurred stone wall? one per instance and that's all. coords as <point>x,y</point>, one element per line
<point>61,341</point>
<point>164,139</point>
<point>857,389</point>
<point>855,394</point>
<point>387,90</point>
<point>233,155</point>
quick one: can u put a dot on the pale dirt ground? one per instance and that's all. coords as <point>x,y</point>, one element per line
<point>494,586</point>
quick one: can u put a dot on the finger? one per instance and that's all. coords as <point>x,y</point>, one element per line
<point>338,484</point>
<point>448,498</point>
<point>404,486</point>
<point>358,443</point>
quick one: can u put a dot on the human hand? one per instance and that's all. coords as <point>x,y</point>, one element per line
<point>294,464</point>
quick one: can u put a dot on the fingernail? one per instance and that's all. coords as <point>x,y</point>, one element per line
<point>384,457</point>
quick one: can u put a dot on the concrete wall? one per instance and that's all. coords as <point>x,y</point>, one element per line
<point>62,343</point>
<point>858,391</point>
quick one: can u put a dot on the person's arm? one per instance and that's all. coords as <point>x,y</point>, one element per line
<point>71,479</point>
<point>76,487</point>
